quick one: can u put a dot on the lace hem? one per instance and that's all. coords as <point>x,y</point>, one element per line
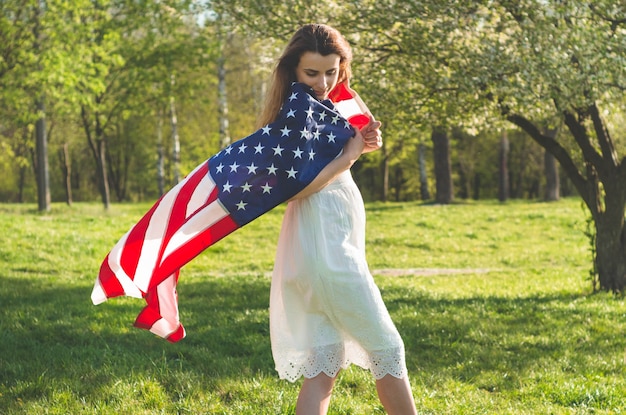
<point>332,358</point>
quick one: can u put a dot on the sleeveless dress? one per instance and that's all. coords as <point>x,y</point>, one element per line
<point>326,312</point>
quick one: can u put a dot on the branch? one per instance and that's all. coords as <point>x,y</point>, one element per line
<point>603,136</point>
<point>622,88</point>
<point>554,148</point>
<point>582,138</point>
<point>85,118</point>
<point>614,22</point>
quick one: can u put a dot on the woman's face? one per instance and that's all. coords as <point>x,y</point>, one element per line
<point>319,72</point>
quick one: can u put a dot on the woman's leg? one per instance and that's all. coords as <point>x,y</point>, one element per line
<point>395,395</point>
<point>315,394</point>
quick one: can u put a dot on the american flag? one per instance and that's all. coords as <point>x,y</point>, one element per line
<point>224,193</point>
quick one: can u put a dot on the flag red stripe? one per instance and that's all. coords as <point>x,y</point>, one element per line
<point>340,93</point>
<point>194,247</point>
<point>134,242</point>
<point>109,282</point>
<point>158,227</point>
<point>359,121</point>
<point>178,216</point>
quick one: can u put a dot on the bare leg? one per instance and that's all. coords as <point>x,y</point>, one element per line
<point>315,394</point>
<point>396,396</point>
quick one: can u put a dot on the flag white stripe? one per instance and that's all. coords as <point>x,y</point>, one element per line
<point>348,108</point>
<point>154,235</point>
<point>152,241</point>
<point>168,307</point>
<point>200,194</point>
<point>98,295</point>
<point>130,289</point>
<point>201,221</point>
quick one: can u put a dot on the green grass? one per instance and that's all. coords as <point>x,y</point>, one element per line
<point>511,328</point>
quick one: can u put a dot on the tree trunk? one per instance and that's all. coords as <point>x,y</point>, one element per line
<point>66,168</point>
<point>43,175</point>
<point>551,169</point>
<point>160,155</point>
<point>385,172</point>
<point>222,100</point>
<point>476,192</point>
<point>97,143</point>
<point>421,160</point>
<point>610,247</point>
<point>175,138</point>
<point>503,177</point>
<point>399,179</point>
<point>103,177</point>
<point>41,140</point>
<point>443,166</point>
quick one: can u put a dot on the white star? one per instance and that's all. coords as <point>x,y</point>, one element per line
<point>233,167</point>
<point>311,155</point>
<point>219,168</point>
<point>316,135</point>
<point>309,112</point>
<point>228,149</point>
<point>227,187</point>
<point>246,187</point>
<point>322,115</point>
<point>278,150</point>
<point>252,168</point>
<point>347,124</point>
<point>291,173</point>
<point>241,205</point>
<point>297,153</point>
<point>242,148</point>
<point>304,133</point>
<point>331,137</point>
<point>272,170</point>
<point>266,130</point>
<point>294,95</point>
<point>258,149</point>
<point>267,188</point>
<point>285,131</point>
<point>291,113</point>
<point>335,119</point>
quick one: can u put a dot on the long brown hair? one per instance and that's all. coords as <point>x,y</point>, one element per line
<point>317,38</point>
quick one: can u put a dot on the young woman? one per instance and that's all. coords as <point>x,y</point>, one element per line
<point>325,309</point>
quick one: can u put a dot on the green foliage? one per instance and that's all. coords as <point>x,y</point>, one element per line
<point>491,299</point>
<point>105,67</point>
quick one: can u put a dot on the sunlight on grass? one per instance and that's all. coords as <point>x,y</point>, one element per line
<point>494,305</point>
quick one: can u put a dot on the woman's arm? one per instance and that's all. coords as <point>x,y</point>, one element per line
<point>364,141</point>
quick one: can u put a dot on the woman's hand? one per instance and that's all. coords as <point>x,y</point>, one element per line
<point>354,147</point>
<point>365,140</point>
<point>372,137</point>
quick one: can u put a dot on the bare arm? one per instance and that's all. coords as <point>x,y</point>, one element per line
<point>364,141</point>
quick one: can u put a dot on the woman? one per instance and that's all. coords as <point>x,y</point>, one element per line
<point>325,310</point>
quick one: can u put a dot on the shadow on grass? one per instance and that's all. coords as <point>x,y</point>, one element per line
<point>53,337</point>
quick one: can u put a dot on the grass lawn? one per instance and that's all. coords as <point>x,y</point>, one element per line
<point>493,301</point>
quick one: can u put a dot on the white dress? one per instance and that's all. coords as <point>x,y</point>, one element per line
<point>325,310</point>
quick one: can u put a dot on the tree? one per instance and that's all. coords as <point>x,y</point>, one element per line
<point>443,166</point>
<point>37,63</point>
<point>503,182</point>
<point>551,168</point>
<point>133,51</point>
<point>481,63</point>
<point>576,47</point>
<point>41,139</point>
<point>526,61</point>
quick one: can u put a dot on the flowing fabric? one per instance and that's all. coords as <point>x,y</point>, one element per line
<point>229,190</point>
